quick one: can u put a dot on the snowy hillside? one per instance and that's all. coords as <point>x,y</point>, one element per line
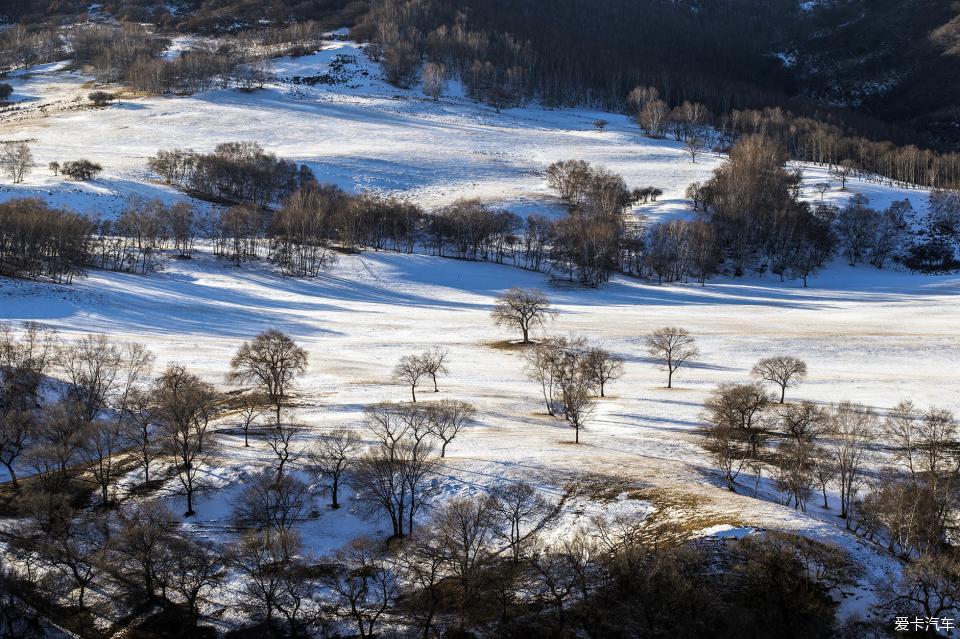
<point>358,133</point>
<point>867,335</point>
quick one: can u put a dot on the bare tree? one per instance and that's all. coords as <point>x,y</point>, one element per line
<point>741,407</point>
<point>410,370</point>
<point>394,481</point>
<point>522,513</point>
<point>784,371</point>
<point>280,441</point>
<point>92,365</point>
<point>333,457</point>
<point>842,172</point>
<point>140,556</point>
<point>673,347</point>
<point>364,583</point>
<point>575,387</point>
<point>271,504</point>
<point>274,579</point>
<point>696,142</point>
<point>802,424</point>
<point>17,428</point>
<point>821,188</point>
<point>936,445</point>
<point>434,77</point>
<point>272,361</point>
<point>16,159</point>
<point>901,428</point>
<point>250,409</point>
<point>523,309</point>
<point>852,426</point>
<point>102,440</point>
<point>447,418</point>
<point>434,362</point>
<point>197,571</point>
<point>467,525</point>
<point>601,366</point>
<point>183,405</point>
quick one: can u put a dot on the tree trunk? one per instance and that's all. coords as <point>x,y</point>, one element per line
<point>526,332</point>
<point>435,389</point>
<point>13,476</point>
<point>413,393</point>
<point>669,377</point>
<point>783,393</point>
<point>189,512</point>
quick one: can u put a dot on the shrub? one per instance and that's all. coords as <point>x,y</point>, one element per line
<point>101,98</point>
<point>5,90</point>
<point>932,255</point>
<point>81,170</point>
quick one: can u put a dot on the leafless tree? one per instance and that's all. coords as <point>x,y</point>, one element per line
<point>696,142</point>
<point>271,504</point>
<point>936,445</point>
<point>422,564</point>
<point>250,409</point>
<point>364,583</point>
<point>17,428</point>
<point>16,159</point>
<point>652,118</point>
<point>272,361</point>
<point>574,392</point>
<point>183,408</point>
<point>601,366</point>
<point>435,363</point>
<point>522,513</point>
<point>784,371</point>
<point>274,578</point>
<point>102,441</point>
<point>447,418</point>
<point>140,555</point>
<point>434,77</point>
<point>139,431</point>
<point>741,407</point>
<point>801,424</point>
<point>92,366</point>
<point>930,585</point>
<point>198,570</point>
<point>548,361</point>
<point>467,525</point>
<point>54,168</point>
<point>385,425</point>
<point>394,481</point>
<point>410,370</point>
<point>842,172</point>
<point>280,441</point>
<point>333,456</point>
<point>523,309</point>
<point>673,347</point>
<point>822,188</point>
<point>852,427</point>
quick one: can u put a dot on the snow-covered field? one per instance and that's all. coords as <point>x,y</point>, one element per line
<point>869,336</point>
<point>361,134</point>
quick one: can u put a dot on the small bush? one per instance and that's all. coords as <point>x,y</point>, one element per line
<point>932,255</point>
<point>5,90</point>
<point>101,98</point>
<point>81,170</point>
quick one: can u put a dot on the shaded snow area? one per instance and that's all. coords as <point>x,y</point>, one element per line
<point>869,336</point>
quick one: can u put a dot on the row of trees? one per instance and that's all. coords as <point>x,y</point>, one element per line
<point>239,172</point>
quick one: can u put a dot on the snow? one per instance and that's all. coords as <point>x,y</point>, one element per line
<point>867,335</point>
